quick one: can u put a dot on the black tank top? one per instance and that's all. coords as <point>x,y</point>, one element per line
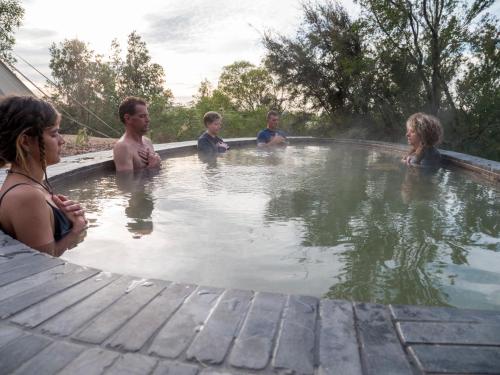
<point>62,225</point>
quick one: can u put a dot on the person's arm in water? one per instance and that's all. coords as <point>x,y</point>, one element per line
<point>123,158</point>
<point>32,221</point>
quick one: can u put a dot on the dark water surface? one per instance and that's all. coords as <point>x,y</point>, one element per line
<point>337,221</point>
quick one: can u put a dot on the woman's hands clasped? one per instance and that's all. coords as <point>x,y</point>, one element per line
<point>72,210</point>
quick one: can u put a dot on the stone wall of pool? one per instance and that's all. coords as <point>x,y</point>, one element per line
<point>57,317</point>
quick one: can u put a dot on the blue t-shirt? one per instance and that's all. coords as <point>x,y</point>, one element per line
<point>265,135</point>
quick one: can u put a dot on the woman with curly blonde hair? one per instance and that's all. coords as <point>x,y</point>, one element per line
<point>424,133</point>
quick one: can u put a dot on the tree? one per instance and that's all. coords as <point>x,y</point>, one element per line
<point>249,87</point>
<point>90,87</point>
<point>84,83</point>
<point>432,34</point>
<point>11,14</point>
<point>479,95</point>
<point>324,63</point>
<point>138,76</point>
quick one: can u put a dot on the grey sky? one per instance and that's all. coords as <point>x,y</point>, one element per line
<point>191,39</point>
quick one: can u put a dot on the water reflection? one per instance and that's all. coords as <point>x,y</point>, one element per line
<point>209,159</point>
<point>399,249</point>
<point>136,185</point>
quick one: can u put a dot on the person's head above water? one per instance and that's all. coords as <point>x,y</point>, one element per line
<point>134,114</point>
<point>213,122</point>
<point>423,133</point>
<point>423,130</point>
<point>272,118</point>
<point>25,132</point>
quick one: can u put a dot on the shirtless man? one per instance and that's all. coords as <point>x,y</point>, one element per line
<point>133,150</point>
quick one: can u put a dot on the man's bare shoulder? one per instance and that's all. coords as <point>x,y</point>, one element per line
<point>124,146</point>
<point>147,140</point>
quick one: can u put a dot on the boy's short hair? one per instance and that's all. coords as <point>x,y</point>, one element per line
<point>211,117</point>
<point>127,106</point>
<point>272,113</point>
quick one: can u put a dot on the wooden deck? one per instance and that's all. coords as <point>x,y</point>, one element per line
<point>57,317</point>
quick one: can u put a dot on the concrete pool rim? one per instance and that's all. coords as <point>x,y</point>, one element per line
<point>85,163</point>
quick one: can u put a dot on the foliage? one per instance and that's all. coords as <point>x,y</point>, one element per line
<point>324,63</point>
<point>186,122</point>
<point>248,86</point>
<point>90,88</point>
<point>137,75</point>
<point>479,95</point>
<point>11,14</point>
<point>84,85</point>
<point>82,138</point>
<point>399,57</point>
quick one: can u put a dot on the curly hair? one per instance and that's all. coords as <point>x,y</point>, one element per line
<point>429,130</point>
<point>23,115</point>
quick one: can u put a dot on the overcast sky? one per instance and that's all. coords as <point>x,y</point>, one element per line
<point>191,39</point>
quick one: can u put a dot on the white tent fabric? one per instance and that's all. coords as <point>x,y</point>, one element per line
<point>10,84</point>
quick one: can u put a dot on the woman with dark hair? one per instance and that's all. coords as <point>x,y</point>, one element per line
<point>29,209</point>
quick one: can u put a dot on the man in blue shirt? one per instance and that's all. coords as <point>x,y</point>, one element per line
<point>271,136</point>
<point>209,143</point>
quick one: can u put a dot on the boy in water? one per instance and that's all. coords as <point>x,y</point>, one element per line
<point>209,143</point>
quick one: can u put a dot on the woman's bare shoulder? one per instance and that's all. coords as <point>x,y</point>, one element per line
<point>22,194</point>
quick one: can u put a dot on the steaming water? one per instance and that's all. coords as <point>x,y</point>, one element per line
<point>336,221</point>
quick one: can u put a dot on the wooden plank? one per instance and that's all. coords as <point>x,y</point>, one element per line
<point>253,346</point>
<point>461,359</point>
<point>46,309</point>
<point>107,322</point>
<point>134,334</point>
<point>17,303</point>
<point>91,362</point>
<point>17,352</point>
<point>444,314</point>
<point>381,350</point>
<point>8,334</point>
<point>132,364</point>
<point>449,333</point>
<point>175,368</point>
<point>43,264</point>
<point>338,345</point>
<point>176,335</point>
<point>20,260</point>
<point>212,344</point>
<point>75,317</point>
<point>33,281</point>
<point>17,257</point>
<point>296,341</point>
<point>52,359</point>
<point>9,246</point>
